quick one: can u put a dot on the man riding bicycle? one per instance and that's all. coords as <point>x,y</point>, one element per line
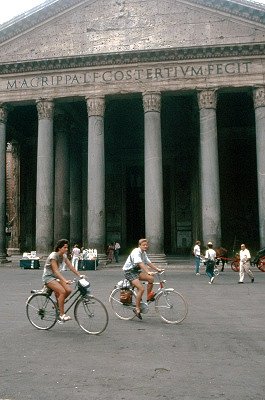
<point>136,270</point>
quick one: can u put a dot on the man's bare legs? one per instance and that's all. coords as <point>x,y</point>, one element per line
<point>140,289</point>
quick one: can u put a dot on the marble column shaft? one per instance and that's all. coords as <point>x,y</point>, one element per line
<point>210,190</point>
<point>3,120</point>
<point>96,175</point>
<point>45,178</point>
<point>259,104</point>
<point>61,176</point>
<point>154,213</point>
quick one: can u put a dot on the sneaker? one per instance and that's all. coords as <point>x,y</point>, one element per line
<point>151,296</point>
<point>252,280</point>
<point>240,282</point>
<point>212,279</point>
<point>64,318</point>
<point>198,273</point>
<point>210,282</point>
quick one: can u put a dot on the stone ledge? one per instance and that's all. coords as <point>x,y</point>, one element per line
<point>123,58</point>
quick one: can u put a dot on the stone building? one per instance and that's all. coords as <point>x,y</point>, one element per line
<point>124,119</point>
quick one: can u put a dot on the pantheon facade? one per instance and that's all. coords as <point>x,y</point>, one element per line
<point>129,119</point>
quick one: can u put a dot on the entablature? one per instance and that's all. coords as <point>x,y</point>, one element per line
<point>123,58</point>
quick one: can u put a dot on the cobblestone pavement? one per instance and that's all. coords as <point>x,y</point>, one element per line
<point>216,353</point>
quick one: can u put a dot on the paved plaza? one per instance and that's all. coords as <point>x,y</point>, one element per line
<point>216,353</point>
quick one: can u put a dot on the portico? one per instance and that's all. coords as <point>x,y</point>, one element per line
<point>135,144</point>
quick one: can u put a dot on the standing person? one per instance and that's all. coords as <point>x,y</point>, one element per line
<point>244,264</point>
<point>136,270</point>
<point>210,256</point>
<point>197,256</point>
<point>110,253</point>
<point>54,279</point>
<point>116,251</point>
<point>75,256</point>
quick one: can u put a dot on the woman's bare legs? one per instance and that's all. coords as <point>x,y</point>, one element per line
<point>61,291</point>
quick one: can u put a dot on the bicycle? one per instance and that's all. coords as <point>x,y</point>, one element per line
<point>169,304</point>
<point>89,312</point>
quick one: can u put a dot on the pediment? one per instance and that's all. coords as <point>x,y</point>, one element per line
<point>113,26</point>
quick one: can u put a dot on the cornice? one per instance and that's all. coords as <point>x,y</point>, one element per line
<point>139,57</point>
<point>247,10</point>
<point>240,8</point>
<point>35,17</point>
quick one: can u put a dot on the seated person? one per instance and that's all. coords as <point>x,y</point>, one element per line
<point>136,270</point>
<point>54,279</point>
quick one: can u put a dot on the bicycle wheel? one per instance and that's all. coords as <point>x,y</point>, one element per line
<point>41,311</point>
<point>171,306</point>
<point>235,266</point>
<point>91,315</point>
<point>261,264</point>
<point>123,311</point>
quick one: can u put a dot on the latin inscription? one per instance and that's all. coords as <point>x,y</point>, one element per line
<point>112,76</point>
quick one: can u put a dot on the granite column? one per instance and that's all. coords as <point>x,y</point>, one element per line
<point>259,104</point>
<point>209,167</point>
<point>154,212</point>
<point>3,121</point>
<point>96,176</point>
<point>45,178</point>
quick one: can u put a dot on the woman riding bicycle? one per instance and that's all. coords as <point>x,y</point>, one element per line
<point>54,279</point>
<point>136,270</point>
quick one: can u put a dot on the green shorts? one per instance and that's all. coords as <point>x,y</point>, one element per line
<point>132,274</point>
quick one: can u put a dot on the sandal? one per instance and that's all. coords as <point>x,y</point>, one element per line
<point>137,313</point>
<point>64,318</point>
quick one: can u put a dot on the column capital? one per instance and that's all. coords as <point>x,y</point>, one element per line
<point>95,106</point>
<point>152,101</point>
<point>3,114</point>
<point>207,99</point>
<point>45,108</point>
<point>259,97</point>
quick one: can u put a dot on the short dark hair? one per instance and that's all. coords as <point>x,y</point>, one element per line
<point>60,244</point>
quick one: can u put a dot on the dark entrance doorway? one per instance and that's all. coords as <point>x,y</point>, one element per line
<point>135,207</point>
<point>237,165</point>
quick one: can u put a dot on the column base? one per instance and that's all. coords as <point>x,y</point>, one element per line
<point>158,259</point>
<point>102,259</point>
<point>3,259</point>
<point>13,251</point>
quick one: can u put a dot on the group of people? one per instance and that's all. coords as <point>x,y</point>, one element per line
<point>210,260</point>
<point>136,269</point>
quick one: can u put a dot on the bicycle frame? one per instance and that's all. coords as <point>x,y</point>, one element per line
<point>76,295</point>
<point>76,298</point>
<point>144,305</point>
<point>169,304</point>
